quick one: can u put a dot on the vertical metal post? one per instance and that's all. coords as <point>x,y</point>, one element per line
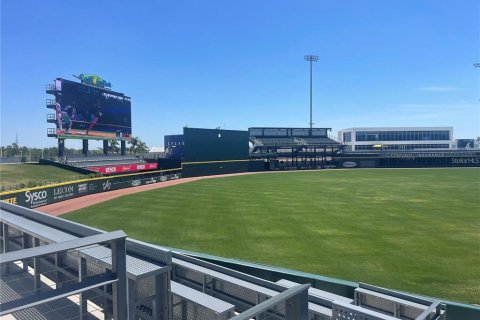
<point>1,235</point>
<point>24,245</point>
<point>204,284</point>
<point>132,289</point>
<point>82,273</point>
<point>61,148</point>
<point>105,147</point>
<point>6,239</point>
<point>6,244</point>
<point>119,267</point>
<point>161,300</point>
<point>311,123</point>
<point>184,310</point>
<point>85,147</point>
<point>123,147</point>
<point>58,274</point>
<point>356,298</point>
<point>311,59</point>
<point>297,306</point>
<point>37,283</point>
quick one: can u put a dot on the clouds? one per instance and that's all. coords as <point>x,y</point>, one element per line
<point>440,89</point>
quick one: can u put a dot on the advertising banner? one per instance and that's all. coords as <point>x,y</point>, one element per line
<point>41,196</point>
<point>125,168</point>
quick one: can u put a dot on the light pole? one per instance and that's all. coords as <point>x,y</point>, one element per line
<point>311,58</point>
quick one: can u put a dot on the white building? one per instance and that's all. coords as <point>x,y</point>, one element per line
<point>397,138</point>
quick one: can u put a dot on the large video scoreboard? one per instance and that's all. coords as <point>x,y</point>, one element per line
<point>87,112</point>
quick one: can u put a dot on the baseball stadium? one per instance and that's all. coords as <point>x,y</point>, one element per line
<point>262,223</point>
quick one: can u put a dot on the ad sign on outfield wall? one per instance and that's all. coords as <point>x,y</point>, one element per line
<point>125,168</point>
<point>38,197</point>
<point>349,164</point>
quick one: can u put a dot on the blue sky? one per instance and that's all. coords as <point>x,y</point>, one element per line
<point>237,64</point>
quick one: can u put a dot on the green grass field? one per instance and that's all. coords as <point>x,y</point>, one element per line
<point>408,229</point>
<point>14,174</point>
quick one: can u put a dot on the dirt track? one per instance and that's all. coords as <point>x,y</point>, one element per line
<point>59,208</point>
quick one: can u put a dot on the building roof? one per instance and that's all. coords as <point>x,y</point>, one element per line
<point>156,149</point>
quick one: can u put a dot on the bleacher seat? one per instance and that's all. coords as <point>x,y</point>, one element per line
<point>291,141</point>
<point>99,161</point>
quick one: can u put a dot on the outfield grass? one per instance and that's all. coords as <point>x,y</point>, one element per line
<point>408,229</point>
<point>15,174</point>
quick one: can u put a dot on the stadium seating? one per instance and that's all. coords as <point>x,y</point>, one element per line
<point>290,142</point>
<point>98,161</point>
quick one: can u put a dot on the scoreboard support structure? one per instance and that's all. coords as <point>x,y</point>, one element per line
<point>123,147</point>
<point>105,147</point>
<point>61,148</point>
<point>85,147</point>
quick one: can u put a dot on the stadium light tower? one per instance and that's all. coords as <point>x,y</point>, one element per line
<point>311,59</point>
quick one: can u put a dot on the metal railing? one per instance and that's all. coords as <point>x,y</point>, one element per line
<point>117,277</point>
<point>293,305</point>
<point>50,102</point>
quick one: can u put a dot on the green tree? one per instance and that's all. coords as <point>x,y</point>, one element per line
<point>134,145</point>
<point>113,147</point>
<point>137,146</point>
<point>142,148</point>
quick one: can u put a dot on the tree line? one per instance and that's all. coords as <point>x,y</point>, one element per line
<point>135,146</point>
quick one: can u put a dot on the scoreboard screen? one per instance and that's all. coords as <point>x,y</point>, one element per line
<point>88,112</point>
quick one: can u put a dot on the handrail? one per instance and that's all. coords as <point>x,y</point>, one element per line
<point>429,310</point>
<point>273,301</point>
<point>13,256</point>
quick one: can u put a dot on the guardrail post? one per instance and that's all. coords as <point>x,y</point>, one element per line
<point>6,242</point>
<point>24,245</point>
<point>119,266</point>
<point>161,302</point>
<point>37,283</point>
<point>58,274</point>
<point>297,306</point>
<point>6,239</point>
<point>82,273</point>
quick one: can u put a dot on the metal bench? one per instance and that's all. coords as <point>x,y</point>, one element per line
<point>316,292</point>
<point>320,304</point>
<point>342,311</point>
<point>386,303</point>
<point>241,293</point>
<point>189,303</point>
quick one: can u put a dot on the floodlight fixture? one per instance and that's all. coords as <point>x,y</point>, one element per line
<point>311,58</point>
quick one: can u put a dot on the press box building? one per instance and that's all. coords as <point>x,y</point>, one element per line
<point>396,138</point>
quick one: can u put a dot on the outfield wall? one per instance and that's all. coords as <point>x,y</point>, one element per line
<point>413,159</point>
<point>45,195</point>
